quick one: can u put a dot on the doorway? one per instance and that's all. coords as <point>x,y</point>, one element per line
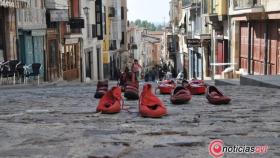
<point>88,65</point>
<point>99,63</point>
<point>2,35</point>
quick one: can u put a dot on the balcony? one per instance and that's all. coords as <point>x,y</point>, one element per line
<point>134,46</point>
<point>31,18</point>
<point>76,23</point>
<point>56,4</point>
<point>173,43</point>
<point>73,28</point>
<point>113,45</point>
<point>246,6</point>
<point>112,12</point>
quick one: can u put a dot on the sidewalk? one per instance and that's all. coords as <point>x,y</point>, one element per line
<point>59,83</point>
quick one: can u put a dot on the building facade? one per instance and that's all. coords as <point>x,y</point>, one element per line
<point>64,37</point>
<point>255,36</point>
<point>31,29</point>
<point>8,30</point>
<point>92,67</point>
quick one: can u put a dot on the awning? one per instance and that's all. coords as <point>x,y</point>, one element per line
<point>13,3</point>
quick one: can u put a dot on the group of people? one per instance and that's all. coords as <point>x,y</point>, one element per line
<point>133,75</point>
<point>156,73</point>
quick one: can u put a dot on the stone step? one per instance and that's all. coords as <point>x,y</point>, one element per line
<point>227,82</point>
<point>269,81</point>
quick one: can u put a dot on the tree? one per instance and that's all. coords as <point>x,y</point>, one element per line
<point>148,25</point>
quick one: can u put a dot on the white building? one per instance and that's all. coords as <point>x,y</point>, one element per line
<point>92,66</point>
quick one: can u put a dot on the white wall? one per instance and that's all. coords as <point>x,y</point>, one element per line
<point>89,43</point>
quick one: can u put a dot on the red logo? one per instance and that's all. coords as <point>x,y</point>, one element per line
<point>216,148</point>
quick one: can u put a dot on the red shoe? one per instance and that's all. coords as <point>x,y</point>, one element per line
<point>197,87</point>
<point>131,91</point>
<point>166,86</point>
<point>110,103</point>
<point>180,95</point>
<point>102,88</point>
<point>150,105</point>
<point>216,97</point>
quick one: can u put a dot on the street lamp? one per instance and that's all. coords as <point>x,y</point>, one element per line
<point>86,11</point>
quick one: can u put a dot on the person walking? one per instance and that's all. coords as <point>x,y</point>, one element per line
<point>135,68</point>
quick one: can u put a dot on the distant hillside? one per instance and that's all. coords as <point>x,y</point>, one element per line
<point>148,25</point>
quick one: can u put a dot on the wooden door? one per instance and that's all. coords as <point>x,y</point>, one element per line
<point>52,60</point>
<point>258,44</point>
<point>70,62</point>
<point>244,35</point>
<point>278,50</point>
<point>273,48</point>
<point>2,35</point>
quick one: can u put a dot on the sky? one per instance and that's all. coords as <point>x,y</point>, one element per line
<point>151,10</point>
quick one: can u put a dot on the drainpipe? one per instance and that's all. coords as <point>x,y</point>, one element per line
<point>212,53</point>
<point>266,47</point>
<point>82,45</point>
<point>249,47</point>
<point>229,34</point>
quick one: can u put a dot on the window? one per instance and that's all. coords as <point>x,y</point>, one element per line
<point>122,13</point>
<point>99,19</point>
<point>122,41</point>
<point>94,31</point>
<point>205,7</point>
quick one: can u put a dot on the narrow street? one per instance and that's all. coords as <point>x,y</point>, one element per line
<point>61,122</point>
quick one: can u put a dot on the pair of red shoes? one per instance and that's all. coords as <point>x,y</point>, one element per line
<point>101,90</point>
<point>183,94</point>
<point>149,104</point>
<point>196,87</point>
<point>131,90</point>
<point>216,97</point>
<point>180,95</point>
<point>166,86</point>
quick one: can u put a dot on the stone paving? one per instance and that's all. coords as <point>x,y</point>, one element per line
<point>61,122</point>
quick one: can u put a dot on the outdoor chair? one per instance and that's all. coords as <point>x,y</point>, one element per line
<point>21,72</point>
<point>8,70</point>
<point>36,67</point>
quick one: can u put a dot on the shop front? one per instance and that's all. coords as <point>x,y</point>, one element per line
<point>71,59</point>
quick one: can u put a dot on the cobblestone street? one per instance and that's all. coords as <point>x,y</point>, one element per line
<point>61,122</point>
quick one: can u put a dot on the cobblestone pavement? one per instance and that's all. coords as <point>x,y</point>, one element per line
<point>61,122</point>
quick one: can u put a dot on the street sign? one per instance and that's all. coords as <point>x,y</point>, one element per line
<point>59,15</point>
<point>13,3</point>
<point>71,40</point>
<point>193,43</point>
